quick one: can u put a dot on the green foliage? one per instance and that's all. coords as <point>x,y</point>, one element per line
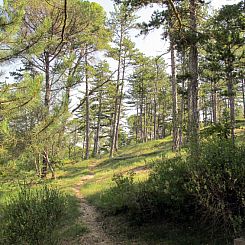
<point>208,193</point>
<point>31,216</point>
<point>221,130</point>
<point>120,194</point>
<point>217,182</point>
<point>163,194</point>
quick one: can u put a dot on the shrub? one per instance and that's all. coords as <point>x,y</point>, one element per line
<point>162,195</point>
<point>118,197</point>
<point>218,183</point>
<point>169,179</point>
<point>31,216</point>
<point>208,192</point>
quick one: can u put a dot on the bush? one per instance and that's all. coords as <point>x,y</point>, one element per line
<point>162,195</point>
<point>117,197</point>
<point>31,216</point>
<point>218,183</point>
<point>208,192</point>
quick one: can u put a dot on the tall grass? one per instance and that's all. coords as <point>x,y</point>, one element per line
<point>31,216</point>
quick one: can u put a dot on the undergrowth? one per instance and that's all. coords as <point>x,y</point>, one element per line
<point>33,216</point>
<point>208,193</point>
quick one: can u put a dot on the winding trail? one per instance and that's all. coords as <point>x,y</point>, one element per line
<point>92,219</point>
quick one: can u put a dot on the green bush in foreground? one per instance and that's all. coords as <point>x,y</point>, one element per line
<point>31,216</point>
<point>217,181</point>
<point>208,192</point>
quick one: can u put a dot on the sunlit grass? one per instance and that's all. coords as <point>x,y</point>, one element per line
<point>137,158</point>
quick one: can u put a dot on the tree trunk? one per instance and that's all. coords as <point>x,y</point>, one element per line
<point>114,121</point>
<point>214,101</point>
<point>87,108</point>
<point>243,96</point>
<point>37,165</point>
<point>83,148</point>
<point>174,97</point>
<point>120,104</point>
<point>47,99</point>
<point>193,67</point>
<point>189,99</point>
<point>50,165</point>
<point>97,133</point>
<point>182,107</point>
<point>137,124</point>
<point>141,117</point>
<point>181,116</point>
<point>145,121</point>
<point>230,90</point>
<point>155,104</point>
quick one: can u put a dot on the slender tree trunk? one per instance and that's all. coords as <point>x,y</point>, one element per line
<point>243,96</point>
<point>141,117</point>
<point>231,106</point>
<point>47,99</point>
<point>50,165</point>
<point>84,143</point>
<point>137,124</point>
<point>189,100</point>
<point>97,133</point>
<point>214,101</point>
<point>205,112</point>
<point>155,104</point>
<point>174,97</point>
<point>182,107</point>
<point>163,127</point>
<point>181,115</point>
<point>193,67</point>
<point>87,130</point>
<point>114,121</point>
<point>152,123</point>
<point>120,103</point>
<point>37,165</point>
<point>145,121</point>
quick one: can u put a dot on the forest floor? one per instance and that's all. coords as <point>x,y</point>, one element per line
<point>96,177</point>
<point>97,230</point>
<point>91,218</point>
<point>89,179</point>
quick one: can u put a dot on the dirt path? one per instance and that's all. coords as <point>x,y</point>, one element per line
<point>92,219</point>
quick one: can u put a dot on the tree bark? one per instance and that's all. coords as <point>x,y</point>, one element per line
<point>145,121</point>
<point>243,96</point>
<point>214,101</point>
<point>230,90</point>
<point>114,121</point>
<point>97,133</point>
<point>174,97</point>
<point>155,103</point>
<point>120,103</point>
<point>137,124</point>
<point>182,107</point>
<point>193,68</point>
<point>87,107</point>
<point>47,99</point>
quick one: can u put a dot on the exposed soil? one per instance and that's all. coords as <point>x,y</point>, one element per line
<point>92,219</point>
<point>100,231</point>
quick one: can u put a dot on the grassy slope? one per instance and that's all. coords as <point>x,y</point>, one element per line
<point>137,158</point>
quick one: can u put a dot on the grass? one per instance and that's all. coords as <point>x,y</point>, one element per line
<point>137,158</point>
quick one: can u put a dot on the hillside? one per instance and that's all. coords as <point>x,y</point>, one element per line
<point>88,180</point>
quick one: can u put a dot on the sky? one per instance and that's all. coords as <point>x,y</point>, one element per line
<point>152,44</point>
